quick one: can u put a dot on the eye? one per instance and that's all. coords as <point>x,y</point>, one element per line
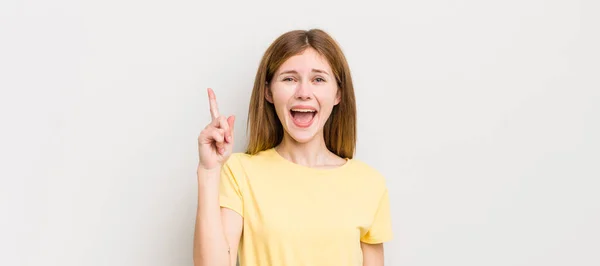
<point>288,79</point>
<point>319,79</point>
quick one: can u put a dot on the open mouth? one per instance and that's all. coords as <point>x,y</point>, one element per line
<point>303,117</point>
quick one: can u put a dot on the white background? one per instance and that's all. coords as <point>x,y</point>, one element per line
<point>484,116</point>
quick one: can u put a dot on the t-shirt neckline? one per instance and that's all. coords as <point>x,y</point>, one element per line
<point>279,157</point>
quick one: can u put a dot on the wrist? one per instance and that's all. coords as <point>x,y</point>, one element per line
<point>202,169</point>
<point>208,173</point>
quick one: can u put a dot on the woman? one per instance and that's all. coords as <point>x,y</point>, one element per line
<point>296,196</point>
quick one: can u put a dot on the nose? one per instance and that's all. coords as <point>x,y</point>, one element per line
<point>304,91</point>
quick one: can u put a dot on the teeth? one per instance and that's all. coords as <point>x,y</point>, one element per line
<point>304,110</point>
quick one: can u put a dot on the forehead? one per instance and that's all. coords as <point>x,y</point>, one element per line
<point>305,62</point>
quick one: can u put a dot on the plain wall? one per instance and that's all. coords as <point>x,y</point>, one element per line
<point>484,117</point>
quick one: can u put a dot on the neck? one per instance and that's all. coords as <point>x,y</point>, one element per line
<point>312,154</point>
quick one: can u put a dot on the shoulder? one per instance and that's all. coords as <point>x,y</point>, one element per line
<point>243,166</point>
<point>237,157</point>
<point>244,160</point>
<point>368,174</point>
<point>365,169</point>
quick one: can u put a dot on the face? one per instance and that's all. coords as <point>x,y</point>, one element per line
<point>304,91</point>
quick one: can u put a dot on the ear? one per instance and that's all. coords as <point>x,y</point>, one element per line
<point>338,96</point>
<point>268,94</point>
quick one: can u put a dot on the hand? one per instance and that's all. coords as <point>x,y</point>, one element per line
<point>215,143</point>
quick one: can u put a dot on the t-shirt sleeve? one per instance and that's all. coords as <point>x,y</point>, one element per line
<point>381,228</point>
<point>230,195</point>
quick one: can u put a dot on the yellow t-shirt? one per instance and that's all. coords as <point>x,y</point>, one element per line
<point>296,215</point>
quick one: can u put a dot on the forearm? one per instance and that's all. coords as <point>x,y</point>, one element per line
<point>210,245</point>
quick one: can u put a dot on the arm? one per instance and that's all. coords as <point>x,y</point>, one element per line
<point>233,224</point>
<point>380,231</point>
<point>372,254</point>
<point>218,230</point>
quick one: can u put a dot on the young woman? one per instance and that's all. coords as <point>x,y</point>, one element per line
<point>296,196</point>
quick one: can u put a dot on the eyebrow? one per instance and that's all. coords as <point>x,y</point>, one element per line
<point>296,72</point>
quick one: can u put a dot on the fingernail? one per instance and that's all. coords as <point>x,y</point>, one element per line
<point>222,150</point>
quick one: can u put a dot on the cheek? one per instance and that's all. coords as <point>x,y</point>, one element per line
<point>281,96</point>
<point>327,96</point>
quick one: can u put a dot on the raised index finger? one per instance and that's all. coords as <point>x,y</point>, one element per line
<point>212,100</point>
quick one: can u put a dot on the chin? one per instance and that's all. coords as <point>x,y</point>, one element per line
<point>302,136</point>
